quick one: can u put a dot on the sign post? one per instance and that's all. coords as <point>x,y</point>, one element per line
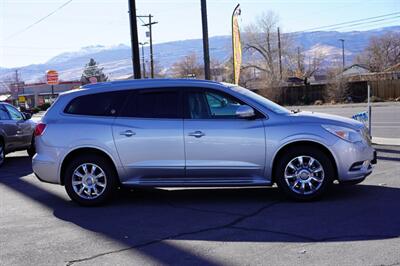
<point>52,79</point>
<point>369,110</point>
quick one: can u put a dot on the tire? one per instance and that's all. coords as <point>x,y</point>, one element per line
<point>306,181</point>
<point>2,153</point>
<point>32,149</point>
<point>103,180</point>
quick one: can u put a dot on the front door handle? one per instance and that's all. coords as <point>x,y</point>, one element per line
<point>197,134</point>
<point>127,133</point>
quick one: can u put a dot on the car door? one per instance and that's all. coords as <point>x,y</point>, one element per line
<point>23,136</point>
<point>148,134</point>
<point>8,129</point>
<point>217,142</point>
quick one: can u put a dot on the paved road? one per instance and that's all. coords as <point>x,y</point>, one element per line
<point>354,225</point>
<point>385,116</point>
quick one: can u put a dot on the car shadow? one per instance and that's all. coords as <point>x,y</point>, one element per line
<point>141,219</point>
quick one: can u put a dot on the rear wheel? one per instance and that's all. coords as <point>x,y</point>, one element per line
<point>2,153</point>
<point>90,180</point>
<point>304,173</point>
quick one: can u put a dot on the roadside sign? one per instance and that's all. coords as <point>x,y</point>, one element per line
<point>21,99</point>
<point>93,80</point>
<point>52,77</point>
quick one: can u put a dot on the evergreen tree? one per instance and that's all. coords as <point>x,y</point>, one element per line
<point>93,70</point>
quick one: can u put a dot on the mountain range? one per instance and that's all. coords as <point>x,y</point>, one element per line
<point>116,60</point>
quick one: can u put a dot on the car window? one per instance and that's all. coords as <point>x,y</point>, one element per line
<point>14,113</point>
<point>154,104</point>
<point>3,113</point>
<point>99,104</point>
<point>211,105</point>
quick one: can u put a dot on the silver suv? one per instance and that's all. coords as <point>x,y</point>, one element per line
<point>16,131</point>
<point>174,133</point>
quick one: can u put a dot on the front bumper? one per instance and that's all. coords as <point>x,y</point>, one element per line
<point>355,161</point>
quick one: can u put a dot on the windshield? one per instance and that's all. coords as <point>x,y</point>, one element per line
<point>276,108</point>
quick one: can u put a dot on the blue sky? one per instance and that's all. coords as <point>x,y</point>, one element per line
<point>92,22</point>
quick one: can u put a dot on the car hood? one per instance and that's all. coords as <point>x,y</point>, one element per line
<point>329,119</point>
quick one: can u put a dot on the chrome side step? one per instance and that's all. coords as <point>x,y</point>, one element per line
<point>196,182</point>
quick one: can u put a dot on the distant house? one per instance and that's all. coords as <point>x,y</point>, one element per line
<point>355,69</point>
<point>318,79</point>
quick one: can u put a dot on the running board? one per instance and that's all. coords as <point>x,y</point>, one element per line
<point>197,182</point>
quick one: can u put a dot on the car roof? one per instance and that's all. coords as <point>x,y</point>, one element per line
<point>155,83</point>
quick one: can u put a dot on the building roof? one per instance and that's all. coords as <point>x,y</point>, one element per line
<point>393,68</point>
<point>356,65</point>
<point>4,88</point>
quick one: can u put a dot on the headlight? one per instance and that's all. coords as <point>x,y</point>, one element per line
<point>345,133</point>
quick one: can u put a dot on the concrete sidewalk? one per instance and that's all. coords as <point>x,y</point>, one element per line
<point>386,141</point>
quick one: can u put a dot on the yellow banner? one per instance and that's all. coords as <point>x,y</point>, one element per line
<point>237,48</point>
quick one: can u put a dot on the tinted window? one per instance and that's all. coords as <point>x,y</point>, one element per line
<point>100,104</point>
<point>209,105</point>
<point>154,104</point>
<point>3,113</point>
<point>14,113</point>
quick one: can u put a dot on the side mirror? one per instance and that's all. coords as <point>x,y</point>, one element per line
<point>245,111</point>
<point>27,116</point>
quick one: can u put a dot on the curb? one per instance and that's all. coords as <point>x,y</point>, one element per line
<point>386,141</point>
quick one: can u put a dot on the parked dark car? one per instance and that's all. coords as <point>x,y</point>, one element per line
<point>16,131</point>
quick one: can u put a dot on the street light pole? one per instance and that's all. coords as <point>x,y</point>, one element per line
<point>206,54</point>
<point>342,40</point>
<point>143,63</point>
<point>134,39</point>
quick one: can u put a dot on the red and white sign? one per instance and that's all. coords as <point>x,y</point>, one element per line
<point>93,80</point>
<point>52,77</point>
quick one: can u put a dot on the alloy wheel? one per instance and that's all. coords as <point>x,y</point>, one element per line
<point>89,181</point>
<point>304,175</point>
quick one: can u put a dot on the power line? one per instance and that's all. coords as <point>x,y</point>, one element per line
<point>38,21</point>
<point>350,22</point>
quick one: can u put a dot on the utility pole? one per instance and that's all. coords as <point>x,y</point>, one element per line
<point>149,25</point>
<point>280,54</point>
<point>206,54</point>
<point>342,40</point>
<point>143,63</point>
<point>298,60</point>
<point>134,39</point>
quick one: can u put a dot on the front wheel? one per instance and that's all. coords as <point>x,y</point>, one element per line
<point>304,173</point>
<point>32,149</point>
<point>90,180</point>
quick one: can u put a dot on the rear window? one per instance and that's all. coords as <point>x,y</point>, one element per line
<point>99,104</point>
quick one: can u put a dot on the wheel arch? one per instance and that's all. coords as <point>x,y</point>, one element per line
<point>309,143</point>
<point>85,150</point>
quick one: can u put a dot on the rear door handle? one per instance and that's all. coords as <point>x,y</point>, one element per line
<point>197,134</point>
<point>127,133</point>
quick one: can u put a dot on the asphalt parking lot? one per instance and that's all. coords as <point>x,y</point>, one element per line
<point>352,225</point>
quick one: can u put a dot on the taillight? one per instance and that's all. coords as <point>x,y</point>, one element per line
<point>39,129</point>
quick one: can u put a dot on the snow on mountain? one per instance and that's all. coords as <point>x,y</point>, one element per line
<point>117,63</point>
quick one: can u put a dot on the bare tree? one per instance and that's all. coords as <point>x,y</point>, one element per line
<point>381,52</point>
<point>261,43</point>
<point>188,66</point>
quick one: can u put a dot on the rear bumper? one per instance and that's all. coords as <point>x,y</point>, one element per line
<point>45,169</point>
